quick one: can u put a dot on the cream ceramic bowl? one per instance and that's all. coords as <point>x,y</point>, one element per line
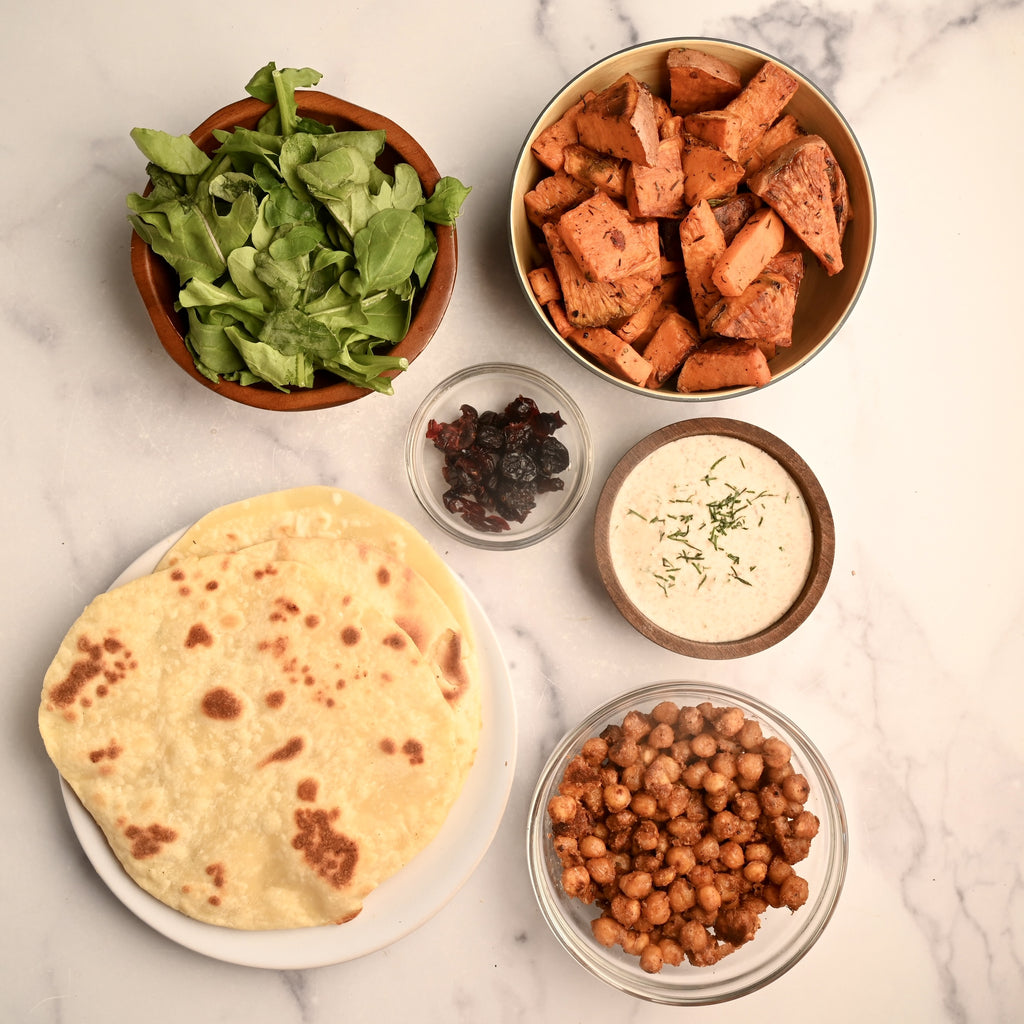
<point>824,303</point>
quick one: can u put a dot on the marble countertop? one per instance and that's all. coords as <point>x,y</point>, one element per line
<point>907,675</point>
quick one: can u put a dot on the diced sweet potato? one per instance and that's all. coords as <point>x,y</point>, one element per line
<point>702,245</point>
<point>590,303</point>
<point>596,170</point>
<point>789,263</point>
<point>709,173</point>
<point>724,364</point>
<point>784,130</point>
<point>746,255</point>
<point>840,193</point>
<point>699,81</point>
<point>796,183</point>
<point>655,192</point>
<point>552,196</point>
<point>760,103</point>
<point>718,128</point>
<point>674,340</point>
<point>621,120</point>
<point>550,143</point>
<point>558,318</point>
<point>614,354</point>
<point>607,243</point>
<point>544,282</point>
<point>672,128</point>
<point>764,310</point>
<point>732,213</point>
<point>638,327</point>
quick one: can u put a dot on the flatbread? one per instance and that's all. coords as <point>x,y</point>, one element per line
<point>258,753</point>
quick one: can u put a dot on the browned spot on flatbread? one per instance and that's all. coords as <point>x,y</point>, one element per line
<point>220,703</point>
<point>312,621</point>
<point>178,575</point>
<point>388,745</point>
<point>148,841</point>
<point>413,750</point>
<point>94,664</point>
<point>276,647</point>
<point>291,749</point>
<point>414,628</point>
<point>453,665</point>
<point>332,855</point>
<point>212,585</point>
<point>397,641</point>
<point>217,874</point>
<point>198,636</point>
<point>267,570</point>
<point>274,699</point>
<point>307,790</point>
<point>109,753</point>
<point>350,636</point>
<point>383,575</point>
<point>284,609</point>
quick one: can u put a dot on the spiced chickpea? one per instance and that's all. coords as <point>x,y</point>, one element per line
<point>755,872</point>
<point>707,849</point>
<point>725,825</point>
<point>656,907</point>
<point>704,745</point>
<point>616,797</point>
<point>716,802</point>
<point>625,910</point>
<point>576,882</point>
<point>666,713</point>
<point>663,877</point>
<point>562,809</point>
<point>729,722</point>
<point>693,774</point>
<point>708,897</point>
<point>636,885</point>
<point>693,937</point>
<point>636,725</point>
<point>779,870</point>
<point>646,836</point>
<point>691,721</point>
<point>680,858</point>
<point>594,751</point>
<point>634,942</point>
<point>749,766</point>
<point>632,776</point>
<point>793,891</point>
<point>591,846</point>
<point>671,952</point>
<point>644,804</point>
<point>731,855</point>
<point>651,959</point>
<point>713,784</point>
<point>796,788</point>
<point>700,874</point>
<point>750,736</point>
<point>675,801</point>
<point>662,736</point>
<point>607,931</point>
<point>625,752</point>
<point>724,764</point>
<point>776,752</point>
<point>602,870</point>
<point>773,803</point>
<point>681,895</point>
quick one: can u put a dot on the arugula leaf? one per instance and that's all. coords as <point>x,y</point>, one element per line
<point>295,252</point>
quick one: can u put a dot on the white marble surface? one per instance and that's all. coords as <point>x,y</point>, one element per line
<point>908,673</point>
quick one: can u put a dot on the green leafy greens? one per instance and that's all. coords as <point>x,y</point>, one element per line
<point>294,251</point>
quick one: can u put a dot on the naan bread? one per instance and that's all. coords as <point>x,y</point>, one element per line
<point>259,752</point>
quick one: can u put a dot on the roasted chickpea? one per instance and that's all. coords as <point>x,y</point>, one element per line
<point>707,849</point>
<point>634,943</point>
<point>776,752</point>
<point>709,897</point>
<point>651,959</point>
<point>591,846</point>
<point>755,872</point>
<point>646,836</point>
<point>731,856</point>
<point>680,858</point>
<point>576,882</point>
<point>644,804</point>
<point>632,776</point>
<point>693,774</point>
<point>796,788</point>
<point>625,752</point>
<point>713,783</point>
<point>806,825</point>
<point>779,870</point>
<point>666,713</point>
<point>681,895</point>
<point>793,891</point>
<point>601,870</point>
<point>662,736</point>
<point>671,952</point>
<point>773,803</point>
<point>625,910</point>
<point>656,908</point>
<point>704,745</point>
<point>675,801</point>
<point>607,931</point>
<point>616,797</point>
<point>724,764</point>
<point>749,766</point>
<point>691,721</point>
<point>693,937</point>
<point>636,885</point>
<point>562,809</point>
<point>724,825</point>
<point>750,736</point>
<point>746,806</point>
<point>636,725</point>
<point>729,722</point>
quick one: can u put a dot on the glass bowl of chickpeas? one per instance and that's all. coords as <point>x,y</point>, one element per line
<point>687,843</point>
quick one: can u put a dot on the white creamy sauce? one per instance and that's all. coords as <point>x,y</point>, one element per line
<point>711,538</point>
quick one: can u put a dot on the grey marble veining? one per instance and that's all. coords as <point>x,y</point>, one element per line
<point>907,675</point>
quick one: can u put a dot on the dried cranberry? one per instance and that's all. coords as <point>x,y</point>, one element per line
<point>496,463</point>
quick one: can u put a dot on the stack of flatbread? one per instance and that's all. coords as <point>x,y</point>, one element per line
<point>279,717</point>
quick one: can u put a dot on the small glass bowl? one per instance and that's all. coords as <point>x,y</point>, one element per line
<point>783,938</point>
<point>490,387</point>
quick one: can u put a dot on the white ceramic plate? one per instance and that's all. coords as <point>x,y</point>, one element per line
<point>403,902</point>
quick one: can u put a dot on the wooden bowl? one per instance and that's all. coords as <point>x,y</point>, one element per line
<point>158,283</point>
<point>824,302</point>
<point>822,541</point>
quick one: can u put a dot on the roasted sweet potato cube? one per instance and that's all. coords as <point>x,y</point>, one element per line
<point>622,121</point>
<point>591,303</point>
<point>607,242</point>
<point>709,173</point>
<point>596,170</point>
<point>784,130</point>
<point>732,213</point>
<point>556,310</point>
<point>763,310</point>
<point>674,340</point>
<point>698,81</point>
<point>721,363</point>
<point>637,328</point>
<point>611,352</point>
<point>702,243</point>
<point>797,183</point>
<point>718,128</point>
<point>550,143</point>
<point>655,192</point>
<point>748,253</point>
<point>760,103</point>
<point>544,283</point>
<point>552,196</point>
